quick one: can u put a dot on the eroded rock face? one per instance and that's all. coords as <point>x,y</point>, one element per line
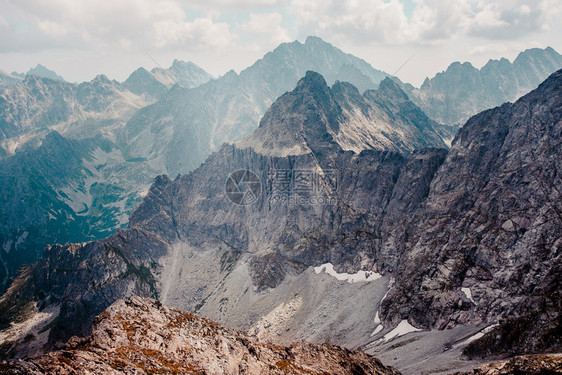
<point>139,335</point>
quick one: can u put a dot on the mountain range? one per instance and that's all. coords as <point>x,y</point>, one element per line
<point>429,253</point>
<point>316,198</point>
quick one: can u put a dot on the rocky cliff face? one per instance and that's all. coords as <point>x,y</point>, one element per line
<point>336,213</point>
<point>488,241</point>
<point>451,97</point>
<point>142,335</point>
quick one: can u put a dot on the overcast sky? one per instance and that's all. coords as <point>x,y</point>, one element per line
<point>82,38</point>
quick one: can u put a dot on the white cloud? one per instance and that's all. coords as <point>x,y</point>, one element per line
<point>131,24</point>
<point>234,4</point>
<point>380,22</point>
<point>362,20</point>
<point>508,19</point>
<point>268,23</point>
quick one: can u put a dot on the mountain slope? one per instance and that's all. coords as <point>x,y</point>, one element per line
<point>179,342</point>
<point>451,97</point>
<point>57,193</point>
<point>38,105</point>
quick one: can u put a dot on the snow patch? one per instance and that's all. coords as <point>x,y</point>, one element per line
<point>379,328</point>
<point>476,336</point>
<point>377,318</point>
<point>468,293</point>
<point>360,276</point>
<point>401,329</point>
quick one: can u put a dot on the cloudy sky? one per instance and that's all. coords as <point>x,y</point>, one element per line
<point>82,38</point>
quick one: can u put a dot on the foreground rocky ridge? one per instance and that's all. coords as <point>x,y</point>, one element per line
<point>142,336</point>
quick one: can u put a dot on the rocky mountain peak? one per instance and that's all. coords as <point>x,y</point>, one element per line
<point>461,91</point>
<point>390,90</point>
<point>42,71</point>
<point>300,121</point>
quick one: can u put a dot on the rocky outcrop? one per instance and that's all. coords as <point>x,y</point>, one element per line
<point>142,335</point>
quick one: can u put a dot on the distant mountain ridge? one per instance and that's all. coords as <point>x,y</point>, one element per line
<point>187,246</point>
<point>451,97</point>
<point>158,81</point>
<point>40,71</point>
